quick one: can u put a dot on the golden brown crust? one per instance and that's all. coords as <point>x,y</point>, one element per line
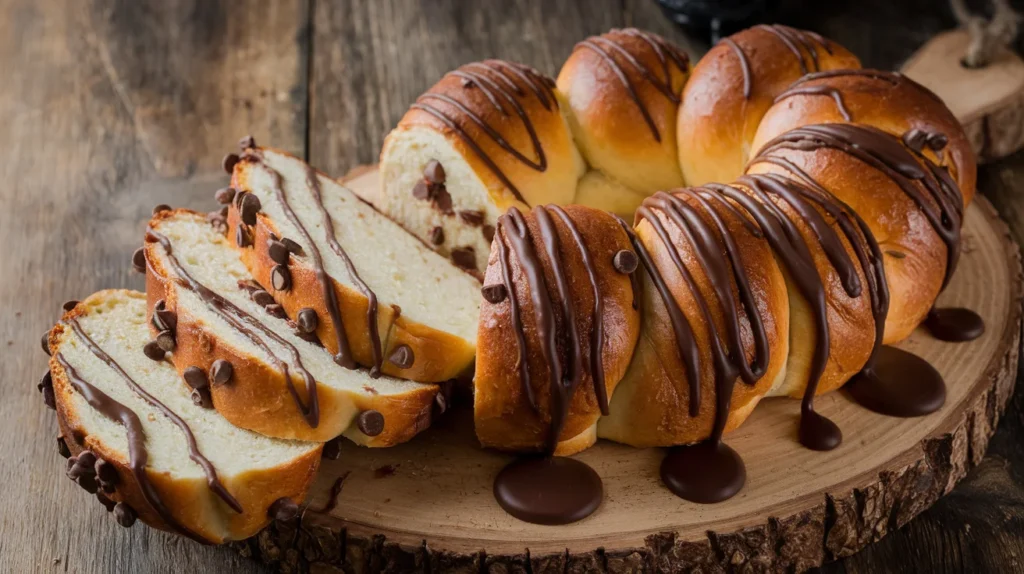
<point>258,397</point>
<point>188,501</point>
<point>461,103</point>
<point>914,254</point>
<point>503,414</point>
<point>716,122</point>
<point>622,89</point>
<point>652,405</point>
<point>438,356</point>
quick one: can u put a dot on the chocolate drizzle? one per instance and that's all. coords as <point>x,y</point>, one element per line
<point>830,91</point>
<point>496,79</point>
<point>931,187</point>
<point>607,44</point>
<point>565,377</point>
<point>313,181</point>
<point>251,328</point>
<point>193,448</point>
<point>548,489</point>
<point>803,44</point>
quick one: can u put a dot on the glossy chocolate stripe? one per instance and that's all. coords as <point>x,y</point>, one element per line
<point>313,181</point>
<point>830,91</point>
<point>138,456</point>
<point>194,454</point>
<point>748,78</point>
<point>244,323</point>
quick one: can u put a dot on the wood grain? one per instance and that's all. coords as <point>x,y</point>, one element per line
<point>108,107</point>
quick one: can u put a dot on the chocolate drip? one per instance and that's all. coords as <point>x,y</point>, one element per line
<point>892,382</point>
<point>940,201</point>
<point>508,90</point>
<point>251,328</point>
<point>830,91</point>
<point>193,448</point>
<point>344,356</point>
<point>550,490</point>
<point>954,324</point>
<point>604,45</point>
<point>748,76</point>
<point>313,181</point>
<point>892,78</point>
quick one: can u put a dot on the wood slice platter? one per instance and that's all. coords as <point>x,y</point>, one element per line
<point>427,505</point>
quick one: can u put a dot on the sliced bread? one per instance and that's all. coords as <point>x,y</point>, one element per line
<point>383,299</point>
<point>135,438</point>
<point>263,372</point>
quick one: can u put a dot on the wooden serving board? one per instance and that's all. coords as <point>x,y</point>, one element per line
<point>429,502</point>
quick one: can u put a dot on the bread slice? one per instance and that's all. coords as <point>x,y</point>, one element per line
<point>127,421</point>
<point>213,313</point>
<point>383,298</point>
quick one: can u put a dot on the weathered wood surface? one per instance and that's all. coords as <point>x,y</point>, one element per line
<point>109,107</point>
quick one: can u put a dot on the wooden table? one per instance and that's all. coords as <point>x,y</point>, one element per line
<point>108,108</point>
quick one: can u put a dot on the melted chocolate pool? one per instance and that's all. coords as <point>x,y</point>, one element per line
<point>548,490</point>
<point>706,472</point>
<point>899,384</point>
<point>954,324</point>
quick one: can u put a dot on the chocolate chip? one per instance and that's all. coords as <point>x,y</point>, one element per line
<point>248,142</point>
<point>153,351</point>
<point>434,172</point>
<point>163,318</point>
<point>283,509</point>
<point>46,342</point>
<point>474,218</point>
<point>248,285</point>
<point>307,320</point>
<point>275,310</point>
<point>45,387</point>
<point>936,142</point>
<point>161,207</point>
<point>224,195</point>
<point>402,357</point>
<point>106,502</point>
<point>464,258</point>
<point>421,190</point>
<point>229,162</point>
<point>437,236</point>
<point>87,460</point>
<point>202,398</point>
<point>370,423</point>
<point>280,278</point>
<point>494,293</point>
<point>489,233</point>
<point>625,261</point>
<point>88,483</point>
<point>139,260</point>
<point>242,237</point>
<point>165,339</point>
<point>278,252</point>
<point>62,447</point>
<point>124,514</point>
<point>443,200</point>
<point>249,208</point>
<point>262,298</point>
<point>195,377</point>
<point>221,371</point>
<point>332,449</point>
<point>292,247</point>
<point>239,197</point>
<point>105,472</point>
<point>69,305</point>
<point>72,470</point>
<point>218,222</point>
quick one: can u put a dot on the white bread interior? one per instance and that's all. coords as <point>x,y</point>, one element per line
<point>207,256</point>
<point>116,321</point>
<point>398,267</point>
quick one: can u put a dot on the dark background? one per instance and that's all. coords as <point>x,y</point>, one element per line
<point>108,108</point>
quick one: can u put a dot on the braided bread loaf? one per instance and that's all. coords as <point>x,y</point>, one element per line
<point>838,231</point>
